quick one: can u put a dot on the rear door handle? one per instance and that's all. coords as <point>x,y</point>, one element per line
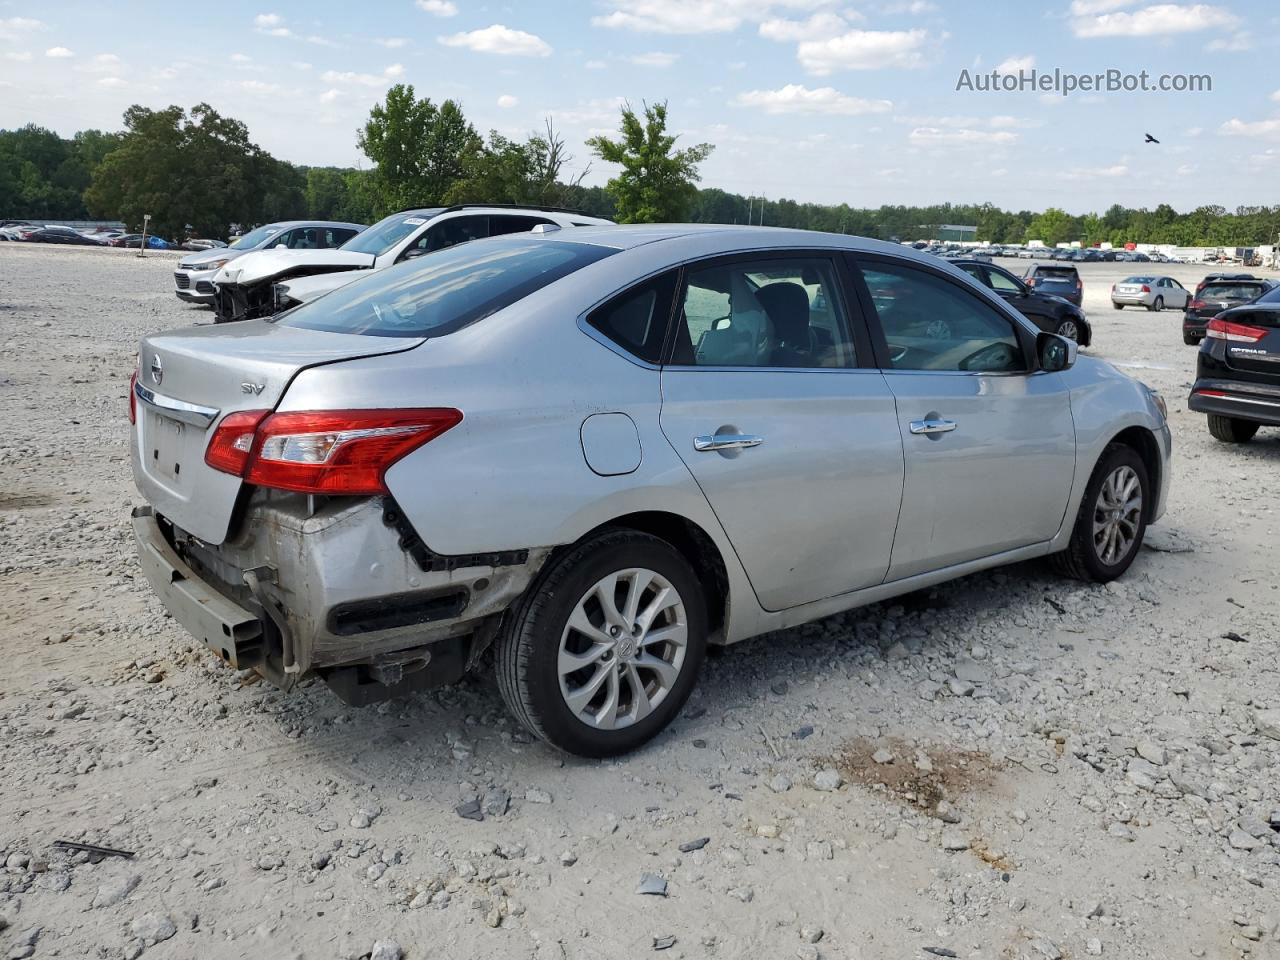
<point>932,426</point>
<point>726,441</point>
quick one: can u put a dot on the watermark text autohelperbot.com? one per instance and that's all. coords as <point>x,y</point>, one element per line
<point>1065,83</point>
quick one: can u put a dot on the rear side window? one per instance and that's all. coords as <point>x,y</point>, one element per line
<point>446,291</point>
<point>637,319</point>
<point>500,224</point>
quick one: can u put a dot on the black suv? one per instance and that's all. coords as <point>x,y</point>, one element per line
<point>1062,282</point>
<point>1048,312</point>
<point>1238,370</point>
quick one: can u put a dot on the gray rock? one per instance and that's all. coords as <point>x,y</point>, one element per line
<point>883,756</point>
<point>960,688</point>
<point>954,841</point>
<point>1152,753</point>
<point>534,795</point>
<point>1093,947</point>
<point>385,950</point>
<point>811,934</point>
<point>928,690</point>
<point>692,845</point>
<point>665,942</point>
<point>652,885</point>
<point>745,894</point>
<point>1267,723</point>
<point>807,951</point>
<point>153,928</point>
<point>495,802</point>
<point>971,671</point>
<point>1121,832</point>
<point>470,810</point>
<point>1046,948</point>
<point>113,891</point>
<point>828,779</point>
<point>780,784</point>
<point>568,858</point>
<point>819,850</point>
<point>1239,840</point>
<point>1254,827</point>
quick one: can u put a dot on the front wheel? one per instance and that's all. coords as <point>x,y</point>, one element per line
<point>1069,329</point>
<point>604,649</point>
<point>1112,518</point>
<point>1232,429</point>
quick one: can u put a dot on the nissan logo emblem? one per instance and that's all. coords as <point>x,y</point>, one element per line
<point>157,371</point>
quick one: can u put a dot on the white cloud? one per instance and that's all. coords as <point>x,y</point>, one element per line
<point>1187,169</point>
<point>21,56</point>
<point>1087,8</point>
<point>330,95</point>
<point>1091,173</point>
<point>350,78</point>
<point>695,16</point>
<point>1276,96</point>
<point>1237,43</point>
<point>58,53</point>
<point>110,82</point>
<point>1158,20</point>
<point>913,7</point>
<point>863,50</point>
<point>594,65</point>
<point>507,101</point>
<point>795,98</point>
<point>15,28</point>
<point>393,43</point>
<point>102,63</point>
<point>654,58</point>
<point>938,137</point>
<point>816,27</point>
<point>240,58</point>
<point>268,20</point>
<point>1016,64</point>
<point>439,8</point>
<point>501,40</point>
<point>1266,129</point>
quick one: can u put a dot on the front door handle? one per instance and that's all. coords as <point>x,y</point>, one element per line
<point>726,441</point>
<point>932,426</point>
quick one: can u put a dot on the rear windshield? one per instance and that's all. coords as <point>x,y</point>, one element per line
<point>1231,291</point>
<point>1056,273</point>
<point>1139,280</point>
<point>444,291</point>
<point>389,231</point>
<point>1271,296</point>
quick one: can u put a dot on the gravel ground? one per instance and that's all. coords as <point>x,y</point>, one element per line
<point>1009,766</point>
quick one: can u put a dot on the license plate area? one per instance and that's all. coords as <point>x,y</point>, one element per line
<point>168,450</point>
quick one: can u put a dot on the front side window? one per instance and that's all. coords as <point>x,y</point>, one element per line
<point>446,291</point>
<point>784,312</point>
<point>255,238</point>
<point>932,324</point>
<point>450,233</point>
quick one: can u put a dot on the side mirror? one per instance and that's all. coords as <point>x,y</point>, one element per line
<point>281,246</point>
<point>1055,353</point>
<point>414,253</point>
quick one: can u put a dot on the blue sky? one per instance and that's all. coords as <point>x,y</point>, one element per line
<point>808,99</point>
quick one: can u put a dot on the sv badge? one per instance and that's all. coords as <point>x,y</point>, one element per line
<point>253,388</point>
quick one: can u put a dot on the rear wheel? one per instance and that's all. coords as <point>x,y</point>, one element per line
<point>1190,339</point>
<point>1112,518</point>
<point>1232,429</point>
<point>1158,306</point>
<point>604,649</point>
<point>1118,306</point>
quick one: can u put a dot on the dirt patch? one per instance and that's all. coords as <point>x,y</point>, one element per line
<point>921,777</point>
<point>24,501</point>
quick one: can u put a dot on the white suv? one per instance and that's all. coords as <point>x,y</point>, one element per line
<point>247,288</point>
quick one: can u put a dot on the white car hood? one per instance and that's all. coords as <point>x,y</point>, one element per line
<point>306,289</point>
<point>266,264</point>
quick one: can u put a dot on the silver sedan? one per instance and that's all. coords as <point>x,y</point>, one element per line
<point>586,455</point>
<point>1154,293</point>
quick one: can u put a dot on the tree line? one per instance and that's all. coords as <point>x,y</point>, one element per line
<point>197,171</point>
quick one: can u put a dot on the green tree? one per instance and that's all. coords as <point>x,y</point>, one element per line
<point>1052,226</point>
<point>419,150</point>
<point>657,182</point>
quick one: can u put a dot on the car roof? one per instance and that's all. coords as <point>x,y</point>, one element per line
<point>290,224</point>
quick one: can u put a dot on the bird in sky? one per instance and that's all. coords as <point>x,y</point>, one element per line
<point>1151,139</point>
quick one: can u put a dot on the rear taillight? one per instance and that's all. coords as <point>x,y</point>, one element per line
<point>1220,329</point>
<point>233,441</point>
<point>1195,305</point>
<point>133,396</point>
<point>337,452</point>
<point>1145,288</point>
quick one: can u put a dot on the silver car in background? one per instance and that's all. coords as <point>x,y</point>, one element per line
<point>1153,292</point>
<point>193,279</point>
<point>585,455</point>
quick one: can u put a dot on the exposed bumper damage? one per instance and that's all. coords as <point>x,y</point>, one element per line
<point>334,591</point>
<point>233,302</point>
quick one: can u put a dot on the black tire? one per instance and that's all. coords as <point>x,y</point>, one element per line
<point>1190,339</point>
<point>1118,306</point>
<point>1158,306</point>
<point>528,645</point>
<point>1080,560</point>
<point>1232,429</point>
<point>1069,329</point>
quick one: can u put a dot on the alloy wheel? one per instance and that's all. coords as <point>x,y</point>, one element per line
<point>1069,330</point>
<point>1117,515</point>
<point>622,649</point>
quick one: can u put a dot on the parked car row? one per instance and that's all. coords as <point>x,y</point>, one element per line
<point>583,453</point>
<point>21,230</point>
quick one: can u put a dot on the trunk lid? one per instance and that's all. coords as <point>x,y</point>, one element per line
<point>1261,358</point>
<point>189,380</point>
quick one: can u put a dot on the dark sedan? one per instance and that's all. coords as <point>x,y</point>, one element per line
<point>1214,297</point>
<point>1238,370</point>
<point>1047,311</point>
<point>57,234</point>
